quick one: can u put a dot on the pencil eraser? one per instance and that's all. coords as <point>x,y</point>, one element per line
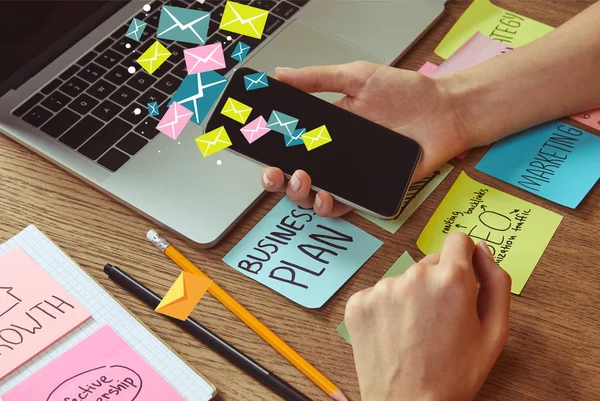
<point>152,235</point>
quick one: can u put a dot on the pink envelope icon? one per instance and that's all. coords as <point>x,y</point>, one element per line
<point>255,129</point>
<point>174,120</point>
<point>204,58</point>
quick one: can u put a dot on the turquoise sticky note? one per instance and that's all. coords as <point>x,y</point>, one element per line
<point>554,160</point>
<point>302,256</point>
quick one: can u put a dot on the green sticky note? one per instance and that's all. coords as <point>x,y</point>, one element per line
<point>494,22</point>
<point>398,268</point>
<point>415,196</point>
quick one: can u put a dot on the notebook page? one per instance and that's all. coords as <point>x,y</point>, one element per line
<point>104,310</point>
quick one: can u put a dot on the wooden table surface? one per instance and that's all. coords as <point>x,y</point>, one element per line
<point>553,352</point>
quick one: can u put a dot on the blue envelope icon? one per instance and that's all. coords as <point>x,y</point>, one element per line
<point>183,24</point>
<point>240,52</point>
<point>199,92</point>
<point>153,109</point>
<point>282,123</point>
<point>295,139</point>
<point>256,81</point>
<point>136,29</point>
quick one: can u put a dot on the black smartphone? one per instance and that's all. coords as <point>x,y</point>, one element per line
<point>365,165</point>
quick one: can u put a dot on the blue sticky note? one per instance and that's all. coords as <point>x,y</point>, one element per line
<point>153,109</point>
<point>183,24</point>
<point>240,52</point>
<point>554,160</point>
<point>302,256</point>
<point>199,92</point>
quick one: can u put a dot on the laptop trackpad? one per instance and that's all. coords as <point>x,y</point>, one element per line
<point>301,45</point>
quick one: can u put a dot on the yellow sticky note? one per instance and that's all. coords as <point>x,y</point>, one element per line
<point>154,57</point>
<point>183,296</point>
<point>494,22</point>
<point>237,111</point>
<point>516,231</point>
<point>243,19</point>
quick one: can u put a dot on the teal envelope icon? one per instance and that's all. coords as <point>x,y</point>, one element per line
<point>199,92</point>
<point>282,123</point>
<point>240,52</point>
<point>256,81</point>
<point>183,24</point>
<point>295,139</point>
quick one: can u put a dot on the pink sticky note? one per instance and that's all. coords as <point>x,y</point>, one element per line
<point>35,311</point>
<point>174,120</point>
<point>204,58</point>
<point>101,367</point>
<point>589,118</point>
<point>255,129</point>
<point>427,69</point>
<point>475,51</point>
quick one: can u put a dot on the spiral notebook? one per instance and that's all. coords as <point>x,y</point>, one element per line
<point>105,311</point>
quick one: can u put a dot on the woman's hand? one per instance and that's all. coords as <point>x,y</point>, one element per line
<point>404,101</point>
<point>434,332</point>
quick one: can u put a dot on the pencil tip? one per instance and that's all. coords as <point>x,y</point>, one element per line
<point>338,396</point>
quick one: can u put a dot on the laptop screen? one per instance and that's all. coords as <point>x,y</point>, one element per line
<point>35,32</point>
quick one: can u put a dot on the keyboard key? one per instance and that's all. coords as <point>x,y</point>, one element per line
<point>129,113</point>
<point>51,86</point>
<point>56,101</point>
<point>285,10</point>
<point>132,143</point>
<point>105,139</point>
<point>121,45</point>
<point>109,58</point>
<point>163,69</point>
<point>217,14</point>
<point>273,24</point>
<point>299,3</point>
<point>107,110</point>
<point>105,44</point>
<point>101,89</point>
<point>177,3</point>
<point>117,75</point>
<point>113,160</point>
<point>176,53</point>
<point>141,81</point>
<point>86,59</point>
<point>69,72</point>
<point>213,27</point>
<point>264,4</point>
<point>83,104</point>
<point>153,18</point>
<point>119,33</point>
<point>81,132</point>
<point>91,73</point>
<point>180,71</point>
<point>152,95</point>
<point>37,116</point>
<point>147,128</point>
<point>230,63</point>
<point>124,96</point>
<point>60,123</point>
<point>149,32</point>
<point>32,101</point>
<point>168,84</point>
<point>74,87</point>
<point>216,38</point>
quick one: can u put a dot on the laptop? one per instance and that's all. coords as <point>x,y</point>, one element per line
<point>71,91</point>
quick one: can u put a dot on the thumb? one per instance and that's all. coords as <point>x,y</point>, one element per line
<point>493,301</point>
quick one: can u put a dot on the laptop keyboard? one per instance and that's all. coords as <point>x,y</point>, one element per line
<point>90,106</point>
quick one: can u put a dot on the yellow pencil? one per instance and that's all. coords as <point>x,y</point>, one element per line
<point>242,313</point>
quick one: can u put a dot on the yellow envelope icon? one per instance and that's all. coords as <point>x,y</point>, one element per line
<point>184,295</point>
<point>316,138</point>
<point>237,111</point>
<point>213,141</point>
<point>154,57</point>
<point>243,19</point>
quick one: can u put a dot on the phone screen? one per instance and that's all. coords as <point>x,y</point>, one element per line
<point>365,165</point>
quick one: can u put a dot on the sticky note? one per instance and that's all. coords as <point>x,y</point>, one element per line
<point>554,160</point>
<point>589,118</point>
<point>184,295</point>
<point>35,311</point>
<point>302,256</point>
<point>493,21</point>
<point>101,367</point>
<point>398,268</point>
<point>415,196</point>
<point>427,68</point>
<point>516,231</point>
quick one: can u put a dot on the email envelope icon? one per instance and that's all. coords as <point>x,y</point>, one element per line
<point>174,120</point>
<point>255,129</point>
<point>183,24</point>
<point>199,92</point>
<point>256,81</point>
<point>204,58</point>
<point>154,57</point>
<point>153,109</point>
<point>184,295</point>
<point>136,29</point>
<point>243,19</point>
<point>237,111</point>
<point>213,141</point>
<point>295,139</point>
<point>240,52</point>
<point>316,138</point>
<point>282,123</point>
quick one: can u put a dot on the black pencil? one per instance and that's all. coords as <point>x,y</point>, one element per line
<point>247,364</point>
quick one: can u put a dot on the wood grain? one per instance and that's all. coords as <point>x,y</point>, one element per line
<point>552,353</point>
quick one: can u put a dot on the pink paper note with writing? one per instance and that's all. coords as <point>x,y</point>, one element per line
<point>101,367</point>
<point>35,311</point>
<point>589,118</point>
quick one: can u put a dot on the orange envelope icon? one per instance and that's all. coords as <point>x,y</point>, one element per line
<point>183,296</point>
